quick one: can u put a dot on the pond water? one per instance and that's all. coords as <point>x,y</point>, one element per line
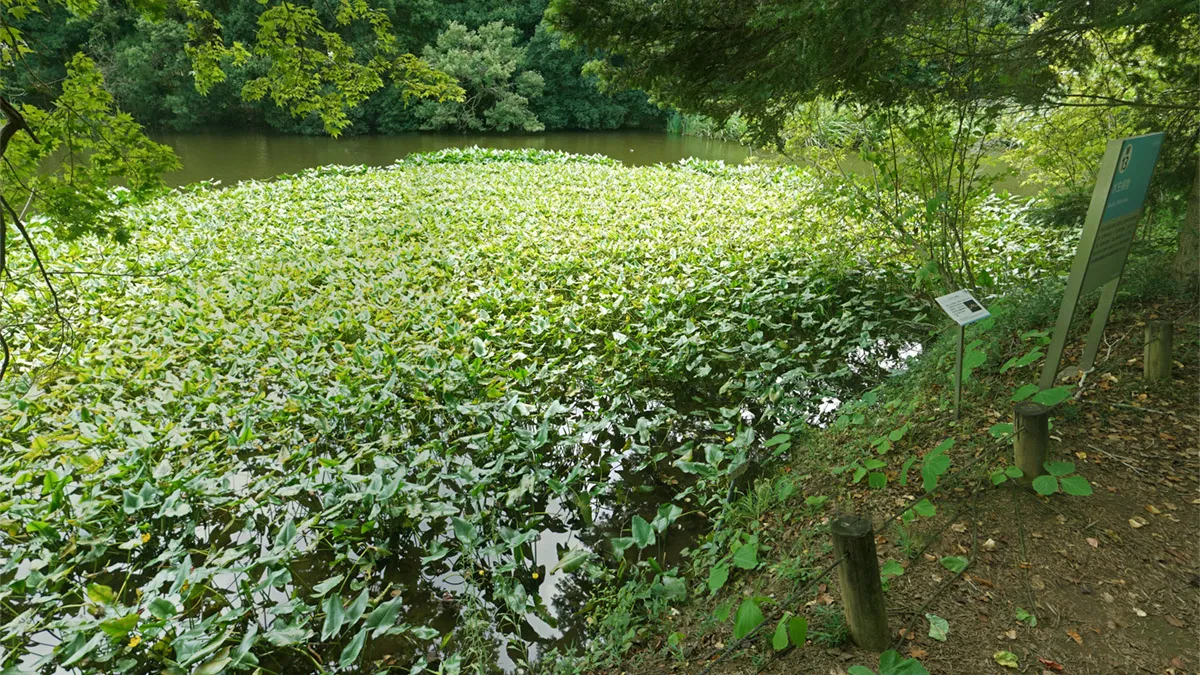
<point>240,156</point>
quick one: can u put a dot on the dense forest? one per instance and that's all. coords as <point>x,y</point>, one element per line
<point>517,74</point>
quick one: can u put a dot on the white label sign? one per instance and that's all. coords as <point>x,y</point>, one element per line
<point>962,307</point>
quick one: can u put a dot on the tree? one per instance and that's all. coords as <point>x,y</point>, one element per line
<point>66,141</point>
<point>765,60</point>
<point>487,64</point>
<point>573,99</point>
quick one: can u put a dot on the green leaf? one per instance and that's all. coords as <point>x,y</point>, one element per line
<point>351,650</point>
<point>1029,358</point>
<point>119,628</point>
<point>1025,392</point>
<point>1013,472</point>
<point>877,480</point>
<point>327,585</point>
<point>334,616</point>
<point>161,608</point>
<point>1045,485</point>
<point>356,609</point>
<point>1077,486</point>
<point>383,617</point>
<point>1000,430</point>
<point>284,636</point>
<point>216,664</point>
<point>904,469</point>
<point>746,557</point>
<point>780,640</point>
<point>464,531</point>
<point>1059,468</point>
<point>479,347</point>
<point>955,563</point>
<point>722,611</point>
<point>101,594</point>
<point>891,568</point>
<point>747,618</point>
<point>1053,396</point>
<point>643,533</point>
<point>798,630</point>
<point>925,509</point>
<point>717,577</point>
<point>1006,659</point>
<point>621,544</point>
<point>938,627</point>
<point>777,439</point>
<point>572,560</point>
<point>860,670</point>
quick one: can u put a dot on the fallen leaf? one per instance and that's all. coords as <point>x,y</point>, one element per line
<point>1138,612</point>
<point>1075,636</point>
<point>1052,665</point>
<point>1006,659</point>
<point>1134,524</point>
<point>1153,509</point>
<point>1108,597</point>
<point>1093,542</point>
<point>989,545</point>
<point>917,653</point>
<point>1173,621</point>
<point>1011,635</point>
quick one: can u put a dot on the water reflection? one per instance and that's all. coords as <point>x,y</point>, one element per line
<point>241,156</point>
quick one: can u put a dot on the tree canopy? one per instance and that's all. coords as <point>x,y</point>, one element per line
<point>763,59</point>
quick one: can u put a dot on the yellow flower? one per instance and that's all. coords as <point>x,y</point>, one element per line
<point>145,537</point>
<point>729,439</point>
<point>535,576</point>
<point>135,641</point>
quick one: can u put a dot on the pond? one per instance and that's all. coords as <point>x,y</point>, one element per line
<point>240,156</point>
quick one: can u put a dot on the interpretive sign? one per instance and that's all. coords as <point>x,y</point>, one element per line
<point>962,307</point>
<point>1108,232</point>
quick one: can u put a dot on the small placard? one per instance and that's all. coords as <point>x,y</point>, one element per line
<point>962,307</point>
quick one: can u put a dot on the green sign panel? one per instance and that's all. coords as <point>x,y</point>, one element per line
<point>1108,233</point>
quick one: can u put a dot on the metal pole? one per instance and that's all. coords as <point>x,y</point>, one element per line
<point>962,334</point>
<point>1099,320</point>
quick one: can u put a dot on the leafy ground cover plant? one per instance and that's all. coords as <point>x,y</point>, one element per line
<point>352,413</point>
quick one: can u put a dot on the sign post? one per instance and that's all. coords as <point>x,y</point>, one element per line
<point>1108,232</point>
<point>964,309</point>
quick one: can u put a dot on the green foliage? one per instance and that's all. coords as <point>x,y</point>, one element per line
<point>890,663</point>
<point>1027,617</point>
<point>320,350</point>
<point>829,627</point>
<point>748,617</point>
<point>938,627</point>
<point>1062,475</point>
<point>85,145</point>
<point>487,64</point>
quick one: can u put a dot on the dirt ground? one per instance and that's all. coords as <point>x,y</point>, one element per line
<point>1113,578</point>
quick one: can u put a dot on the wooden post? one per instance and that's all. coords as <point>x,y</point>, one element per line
<point>1156,361</point>
<point>1031,437</point>
<point>858,576</point>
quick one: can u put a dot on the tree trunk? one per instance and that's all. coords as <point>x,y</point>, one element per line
<point>1187,258</point>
